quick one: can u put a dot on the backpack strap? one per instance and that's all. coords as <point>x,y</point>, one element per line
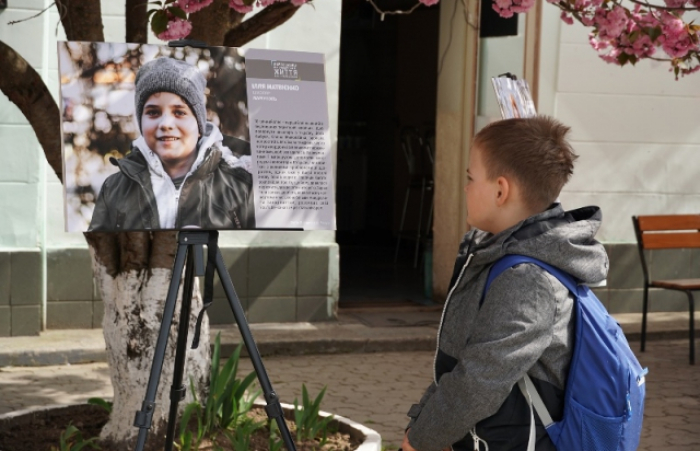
<point>525,384</point>
<point>511,260</point>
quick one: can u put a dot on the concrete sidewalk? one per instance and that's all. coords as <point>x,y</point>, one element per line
<point>377,389</point>
<point>367,380</point>
<point>356,331</point>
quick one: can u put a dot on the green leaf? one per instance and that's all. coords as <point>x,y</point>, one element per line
<point>249,379</point>
<point>159,22</point>
<point>654,33</point>
<point>101,403</point>
<point>178,12</point>
<point>186,415</point>
<point>623,58</point>
<point>634,36</point>
<point>152,11</point>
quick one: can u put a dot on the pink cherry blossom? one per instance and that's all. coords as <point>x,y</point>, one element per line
<point>177,29</point>
<point>522,6</point>
<point>622,34</point>
<point>567,18</point>
<point>192,6</point>
<point>429,2</point>
<point>503,8</point>
<point>240,7</point>
<point>611,22</point>
<point>677,39</point>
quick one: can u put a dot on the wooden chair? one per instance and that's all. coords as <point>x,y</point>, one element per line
<point>668,232</point>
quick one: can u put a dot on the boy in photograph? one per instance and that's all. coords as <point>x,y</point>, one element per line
<point>178,173</point>
<point>523,324</point>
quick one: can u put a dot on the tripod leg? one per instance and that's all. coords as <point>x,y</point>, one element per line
<point>144,417</point>
<point>177,391</point>
<point>273,408</point>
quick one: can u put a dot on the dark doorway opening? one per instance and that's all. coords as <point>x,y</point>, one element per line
<point>388,96</point>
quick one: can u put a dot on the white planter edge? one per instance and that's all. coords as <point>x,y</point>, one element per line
<point>372,441</point>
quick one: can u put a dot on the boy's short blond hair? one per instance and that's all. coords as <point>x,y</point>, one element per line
<point>534,151</point>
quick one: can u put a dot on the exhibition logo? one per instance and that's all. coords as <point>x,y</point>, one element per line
<point>285,70</point>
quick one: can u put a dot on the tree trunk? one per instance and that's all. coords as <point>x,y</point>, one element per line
<point>133,271</point>
<point>82,20</point>
<point>137,21</point>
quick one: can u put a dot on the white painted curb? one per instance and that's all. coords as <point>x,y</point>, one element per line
<point>372,440</point>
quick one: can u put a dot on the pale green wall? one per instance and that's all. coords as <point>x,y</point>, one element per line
<point>498,56</point>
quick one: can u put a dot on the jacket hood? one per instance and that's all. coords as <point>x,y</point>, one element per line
<point>212,137</point>
<point>563,239</point>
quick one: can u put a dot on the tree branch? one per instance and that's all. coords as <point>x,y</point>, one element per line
<point>82,20</point>
<point>268,19</point>
<point>25,88</point>
<point>137,21</point>
<point>211,23</point>
<point>663,8</point>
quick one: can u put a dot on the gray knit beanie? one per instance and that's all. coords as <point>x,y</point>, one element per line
<point>177,77</point>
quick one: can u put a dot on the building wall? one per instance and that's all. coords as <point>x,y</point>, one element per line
<point>637,138</point>
<point>635,131</point>
<point>45,274</point>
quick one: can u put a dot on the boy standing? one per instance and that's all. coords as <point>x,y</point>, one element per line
<point>523,324</point>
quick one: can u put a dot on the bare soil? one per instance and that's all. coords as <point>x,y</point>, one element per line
<point>41,430</point>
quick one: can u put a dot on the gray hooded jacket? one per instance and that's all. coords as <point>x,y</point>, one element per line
<point>523,326</point>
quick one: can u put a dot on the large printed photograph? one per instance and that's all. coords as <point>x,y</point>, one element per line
<point>155,137</point>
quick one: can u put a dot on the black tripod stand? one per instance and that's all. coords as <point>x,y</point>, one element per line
<point>190,245</point>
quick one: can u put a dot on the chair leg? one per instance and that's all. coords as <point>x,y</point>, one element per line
<point>420,222</point>
<point>403,218</point>
<point>429,225</point>
<point>644,315</point>
<point>691,305</point>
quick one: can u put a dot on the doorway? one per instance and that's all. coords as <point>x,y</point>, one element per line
<point>388,95</point>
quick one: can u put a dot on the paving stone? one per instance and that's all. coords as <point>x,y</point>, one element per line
<point>377,389</point>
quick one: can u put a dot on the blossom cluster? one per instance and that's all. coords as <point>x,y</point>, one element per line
<point>623,35</point>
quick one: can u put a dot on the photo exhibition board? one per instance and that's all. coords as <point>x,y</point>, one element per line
<point>212,138</point>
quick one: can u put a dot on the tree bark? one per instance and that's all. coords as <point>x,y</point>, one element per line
<point>210,24</point>
<point>133,273</point>
<point>25,88</point>
<point>137,21</point>
<point>82,20</point>
<point>268,19</point>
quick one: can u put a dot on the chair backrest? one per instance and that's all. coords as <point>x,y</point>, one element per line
<point>665,232</point>
<point>668,231</point>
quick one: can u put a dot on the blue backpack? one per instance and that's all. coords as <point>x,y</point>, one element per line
<point>604,395</point>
